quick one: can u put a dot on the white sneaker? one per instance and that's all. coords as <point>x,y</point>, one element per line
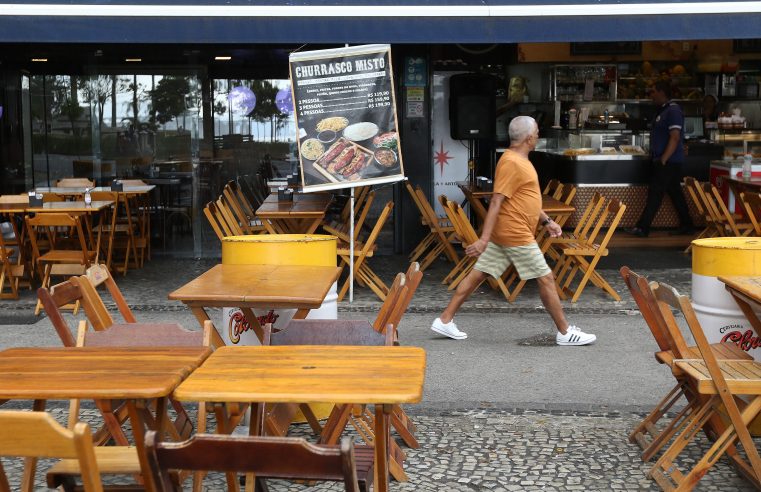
<point>448,329</point>
<point>574,336</point>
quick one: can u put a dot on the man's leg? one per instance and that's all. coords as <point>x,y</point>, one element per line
<point>549,295</point>
<point>655,193</point>
<point>676,194</point>
<point>463,291</point>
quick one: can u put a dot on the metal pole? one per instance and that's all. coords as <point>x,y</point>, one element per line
<point>351,247</point>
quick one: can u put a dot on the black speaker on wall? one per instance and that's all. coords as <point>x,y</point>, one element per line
<point>472,106</point>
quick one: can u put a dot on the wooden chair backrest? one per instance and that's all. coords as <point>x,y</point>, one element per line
<point>752,204</point>
<point>386,310</point>
<point>96,311</point>
<point>667,300</point>
<point>713,213</point>
<point>47,222</point>
<point>244,183</point>
<point>567,196</point>
<point>148,335</point>
<point>267,457</point>
<point>461,224</point>
<point>375,232</point>
<point>324,332</point>
<point>99,275</point>
<point>52,299</point>
<point>415,199</point>
<point>75,183</point>
<point>37,434</point>
<point>360,193</point>
<point>413,277</point>
<point>236,211</point>
<point>551,187</point>
<point>614,211</point>
<point>435,225</point>
<point>218,226</point>
<point>728,219</point>
<point>587,220</point>
<point>690,184</point>
<point>235,194</point>
<point>642,294</point>
<point>224,212</point>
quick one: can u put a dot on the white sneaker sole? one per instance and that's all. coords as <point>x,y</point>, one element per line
<point>577,344</point>
<point>454,337</point>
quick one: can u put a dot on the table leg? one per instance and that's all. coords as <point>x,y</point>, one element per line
<point>301,313</point>
<point>223,427</point>
<point>253,320</point>
<point>269,226</point>
<point>138,434</point>
<point>313,226</point>
<point>382,414</point>
<point>202,316</point>
<point>255,428</point>
<point>30,464</point>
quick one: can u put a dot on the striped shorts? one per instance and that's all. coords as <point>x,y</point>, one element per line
<point>528,260</point>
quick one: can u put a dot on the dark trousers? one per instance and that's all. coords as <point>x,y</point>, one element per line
<point>664,179</point>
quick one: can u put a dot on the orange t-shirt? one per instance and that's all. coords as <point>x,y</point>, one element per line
<point>517,180</point>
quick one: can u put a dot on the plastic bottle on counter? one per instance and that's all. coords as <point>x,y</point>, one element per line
<point>572,119</point>
<point>88,197</point>
<point>747,166</point>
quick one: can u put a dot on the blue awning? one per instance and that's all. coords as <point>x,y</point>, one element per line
<point>377,21</point>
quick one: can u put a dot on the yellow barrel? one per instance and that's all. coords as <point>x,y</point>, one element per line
<point>280,249</point>
<point>283,249</point>
<point>717,311</point>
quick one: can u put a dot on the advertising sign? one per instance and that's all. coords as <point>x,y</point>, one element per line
<point>346,117</point>
<point>450,157</point>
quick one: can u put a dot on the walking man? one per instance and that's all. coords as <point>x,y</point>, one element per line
<point>667,149</point>
<point>515,209</point>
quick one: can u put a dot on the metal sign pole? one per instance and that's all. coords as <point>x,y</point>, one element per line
<point>351,247</point>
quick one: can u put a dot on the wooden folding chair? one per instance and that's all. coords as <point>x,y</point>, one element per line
<point>119,231</point>
<point>58,260</point>
<point>443,234</point>
<point>362,251</point>
<point>752,205</point>
<point>733,224</point>
<point>720,383</point>
<point>341,230</point>
<point>584,255</point>
<point>267,457</point>
<point>711,229</point>
<point>672,346</point>
<point>100,275</point>
<point>431,239</point>
<point>37,435</point>
<point>468,235</point>
<point>11,270</point>
<point>217,222</point>
<point>75,183</point>
<point>124,460</point>
<point>241,209</point>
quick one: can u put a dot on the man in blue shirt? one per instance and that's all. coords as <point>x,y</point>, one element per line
<point>667,152</point>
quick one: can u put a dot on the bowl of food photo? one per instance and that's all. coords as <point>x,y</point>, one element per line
<point>385,158</point>
<point>360,132</point>
<point>326,136</point>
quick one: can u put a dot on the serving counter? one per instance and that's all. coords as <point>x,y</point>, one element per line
<point>621,176</point>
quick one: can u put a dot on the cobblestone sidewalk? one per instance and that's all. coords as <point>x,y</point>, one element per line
<point>519,450</point>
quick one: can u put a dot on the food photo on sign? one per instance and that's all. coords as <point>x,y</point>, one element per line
<point>346,117</point>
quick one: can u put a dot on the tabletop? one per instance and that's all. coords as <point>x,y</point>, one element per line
<point>303,204</point>
<point>549,204</point>
<point>748,286</point>
<point>95,372</point>
<point>270,286</point>
<point>128,190</point>
<point>753,183</point>
<point>63,207</point>
<point>308,373</point>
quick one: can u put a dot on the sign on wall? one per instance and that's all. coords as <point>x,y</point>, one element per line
<point>450,157</point>
<point>346,117</point>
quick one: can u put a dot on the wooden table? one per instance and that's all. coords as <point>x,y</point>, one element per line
<point>382,376</point>
<point>746,292</point>
<point>300,216</point>
<point>134,374</point>
<point>128,190</point>
<point>251,287</point>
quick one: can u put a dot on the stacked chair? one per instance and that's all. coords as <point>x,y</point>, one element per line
<point>441,233</point>
<point>232,213</point>
<point>720,222</point>
<point>752,205</point>
<point>710,377</point>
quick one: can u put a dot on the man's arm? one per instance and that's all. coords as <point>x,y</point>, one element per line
<point>674,138</point>
<point>479,246</point>
<point>549,224</point>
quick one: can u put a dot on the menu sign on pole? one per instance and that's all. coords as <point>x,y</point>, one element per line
<point>345,111</point>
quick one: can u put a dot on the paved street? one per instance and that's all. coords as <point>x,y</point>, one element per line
<point>505,409</point>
